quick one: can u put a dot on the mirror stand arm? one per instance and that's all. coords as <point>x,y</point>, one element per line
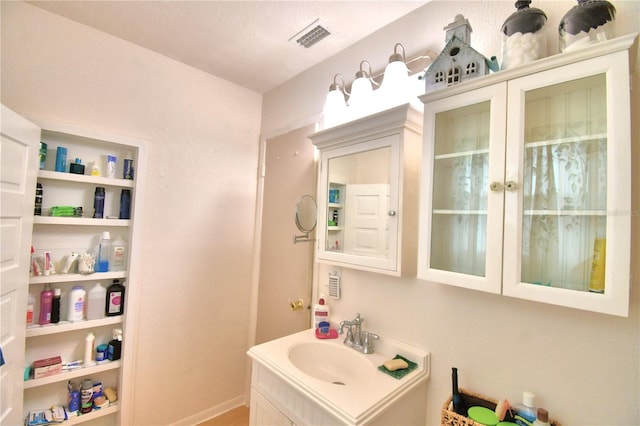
<point>302,238</point>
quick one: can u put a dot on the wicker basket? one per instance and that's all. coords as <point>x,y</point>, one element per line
<point>451,418</point>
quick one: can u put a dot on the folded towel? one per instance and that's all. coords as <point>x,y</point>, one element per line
<point>399,374</point>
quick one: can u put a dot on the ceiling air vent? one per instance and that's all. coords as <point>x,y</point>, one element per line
<point>312,34</point>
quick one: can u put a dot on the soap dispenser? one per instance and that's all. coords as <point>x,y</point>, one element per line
<point>321,316</point>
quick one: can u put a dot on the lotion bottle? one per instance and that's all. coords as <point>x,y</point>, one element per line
<point>321,315</point>
<point>89,348</point>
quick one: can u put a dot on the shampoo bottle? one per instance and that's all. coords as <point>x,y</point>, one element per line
<point>321,316</point>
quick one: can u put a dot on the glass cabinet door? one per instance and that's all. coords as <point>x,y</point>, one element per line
<point>569,187</point>
<point>464,157</point>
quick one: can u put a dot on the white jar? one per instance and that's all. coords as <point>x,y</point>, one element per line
<point>96,301</point>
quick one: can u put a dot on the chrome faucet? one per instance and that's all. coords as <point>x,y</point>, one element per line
<point>356,338</point>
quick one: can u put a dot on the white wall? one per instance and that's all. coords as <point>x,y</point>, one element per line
<point>584,367</point>
<point>197,224</point>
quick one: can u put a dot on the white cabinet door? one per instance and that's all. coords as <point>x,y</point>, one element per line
<point>19,166</point>
<point>262,413</point>
<point>461,217</point>
<point>569,152</point>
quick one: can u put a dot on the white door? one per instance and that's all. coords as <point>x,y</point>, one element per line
<point>18,172</point>
<point>367,220</point>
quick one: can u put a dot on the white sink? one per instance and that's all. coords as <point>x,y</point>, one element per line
<point>300,373</point>
<point>335,364</point>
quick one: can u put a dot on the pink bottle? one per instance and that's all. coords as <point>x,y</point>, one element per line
<point>46,302</point>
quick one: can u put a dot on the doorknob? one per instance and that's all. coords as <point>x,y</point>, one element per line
<point>392,212</point>
<point>511,186</point>
<point>495,186</point>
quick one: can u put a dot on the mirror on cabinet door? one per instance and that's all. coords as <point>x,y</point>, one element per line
<point>357,213</point>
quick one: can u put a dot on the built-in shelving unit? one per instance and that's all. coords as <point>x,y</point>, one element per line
<point>62,235</point>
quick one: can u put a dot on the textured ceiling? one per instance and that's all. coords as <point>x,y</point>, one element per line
<point>245,42</point>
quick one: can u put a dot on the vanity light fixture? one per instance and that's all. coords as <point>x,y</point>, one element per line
<point>395,86</point>
<point>335,104</point>
<point>361,99</point>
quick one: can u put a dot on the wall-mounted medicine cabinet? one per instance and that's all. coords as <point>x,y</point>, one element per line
<point>368,192</point>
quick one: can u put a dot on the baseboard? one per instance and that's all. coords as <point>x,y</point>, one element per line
<point>212,412</point>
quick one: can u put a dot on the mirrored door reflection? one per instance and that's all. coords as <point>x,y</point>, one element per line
<point>358,203</point>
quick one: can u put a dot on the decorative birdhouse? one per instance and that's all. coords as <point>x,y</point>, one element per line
<point>458,61</point>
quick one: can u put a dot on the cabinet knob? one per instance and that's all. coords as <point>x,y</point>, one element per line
<point>511,186</point>
<point>392,212</point>
<point>495,186</point>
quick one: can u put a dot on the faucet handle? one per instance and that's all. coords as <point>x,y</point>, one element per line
<point>367,345</point>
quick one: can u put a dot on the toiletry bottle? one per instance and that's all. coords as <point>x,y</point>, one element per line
<point>111,166</point>
<point>31,303</point>
<point>37,210</point>
<point>96,298</point>
<point>76,304</point>
<point>127,169</point>
<point>55,306</point>
<point>114,304</point>
<point>102,254</point>
<point>118,255</point>
<point>321,315</point>
<point>89,348</point>
<point>596,280</point>
<point>46,300</point>
<point>542,418</point>
<point>525,412</point>
<point>114,350</point>
<point>125,204</point>
<point>98,203</point>
<point>61,159</point>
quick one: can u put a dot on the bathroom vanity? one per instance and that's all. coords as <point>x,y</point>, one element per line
<point>302,380</point>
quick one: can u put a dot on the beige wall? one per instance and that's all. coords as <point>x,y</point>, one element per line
<point>584,367</point>
<point>198,219</point>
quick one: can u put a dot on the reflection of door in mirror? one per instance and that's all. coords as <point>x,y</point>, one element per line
<point>286,269</point>
<point>362,180</point>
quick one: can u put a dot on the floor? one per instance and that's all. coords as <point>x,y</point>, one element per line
<point>236,417</point>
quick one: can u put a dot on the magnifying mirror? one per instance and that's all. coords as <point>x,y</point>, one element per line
<point>306,217</point>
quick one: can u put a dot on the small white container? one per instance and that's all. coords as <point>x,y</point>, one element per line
<point>76,305</point>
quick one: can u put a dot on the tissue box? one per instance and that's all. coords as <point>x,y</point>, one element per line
<point>47,367</point>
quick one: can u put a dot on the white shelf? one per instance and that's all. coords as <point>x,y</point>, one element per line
<point>471,153</point>
<point>95,414</point>
<point>334,228</point>
<point>570,139</point>
<point>82,221</point>
<point>63,377</point>
<point>94,180</point>
<point>565,213</point>
<point>66,278</point>
<point>66,326</point>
